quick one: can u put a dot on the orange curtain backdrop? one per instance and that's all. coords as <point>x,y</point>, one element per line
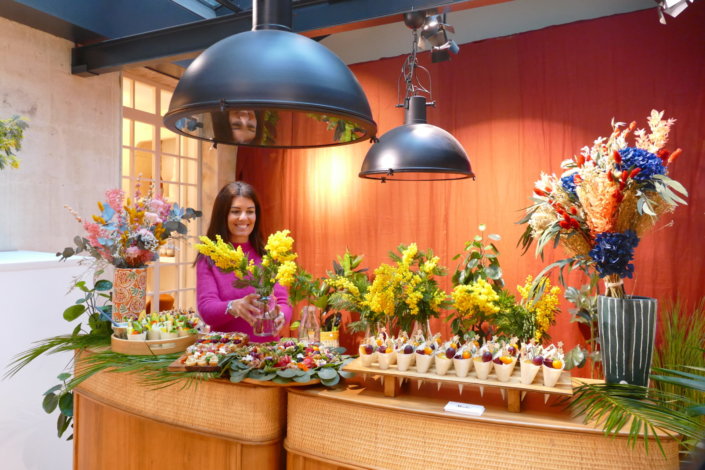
<point>519,105</point>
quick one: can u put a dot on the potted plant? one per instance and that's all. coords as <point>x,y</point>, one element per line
<point>406,295</point>
<point>597,210</point>
<point>11,135</point>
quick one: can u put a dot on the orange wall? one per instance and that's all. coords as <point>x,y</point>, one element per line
<point>519,105</point>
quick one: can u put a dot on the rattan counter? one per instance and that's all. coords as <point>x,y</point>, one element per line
<point>120,424</point>
<point>356,426</point>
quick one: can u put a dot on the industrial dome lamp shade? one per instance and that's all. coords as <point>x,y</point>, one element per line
<point>416,151</point>
<point>270,87</point>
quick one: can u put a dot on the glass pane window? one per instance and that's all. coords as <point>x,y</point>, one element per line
<point>127,93</point>
<point>164,100</point>
<point>144,135</point>
<point>153,154</point>
<point>145,97</point>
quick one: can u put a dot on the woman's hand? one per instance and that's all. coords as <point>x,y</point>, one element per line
<point>280,321</point>
<point>246,308</point>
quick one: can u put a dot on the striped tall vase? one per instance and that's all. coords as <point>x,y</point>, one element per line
<point>627,332</point>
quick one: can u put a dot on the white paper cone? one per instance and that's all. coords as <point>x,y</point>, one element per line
<point>504,371</point>
<point>460,388</point>
<point>368,359</point>
<point>482,390</point>
<point>462,367</point>
<point>545,398</point>
<point>483,369</point>
<point>383,360</point>
<point>423,363</point>
<point>418,384</point>
<point>400,380</point>
<point>528,372</point>
<point>551,376</point>
<point>439,386</point>
<point>503,392</point>
<point>442,364</point>
<point>393,358</point>
<point>523,394</point>
<point>139,337</point>
<point>404,361</point>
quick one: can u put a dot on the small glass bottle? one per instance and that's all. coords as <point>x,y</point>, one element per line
<point>310,329</point>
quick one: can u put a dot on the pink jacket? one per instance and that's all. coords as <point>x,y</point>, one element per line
<point>214,289</point>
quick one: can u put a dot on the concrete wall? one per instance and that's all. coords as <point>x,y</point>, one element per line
<point>70,154</point>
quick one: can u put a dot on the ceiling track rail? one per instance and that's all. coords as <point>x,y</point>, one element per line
<point>310,17</point>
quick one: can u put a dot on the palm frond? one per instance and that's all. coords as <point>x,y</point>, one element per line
<point>151,370</point>
<point>642,409</point>
<point>54,345</point>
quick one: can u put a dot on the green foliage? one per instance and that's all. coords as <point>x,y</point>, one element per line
<point>60,396</point>
<point>11,135</point>
<point>585,312</point>
<point>682,342</point>
<point>95,301</point>
<point>480,261</point>
<point>329,374</point>
<point>513,320</point>
<point>644,410</point>
<point>343,131</point>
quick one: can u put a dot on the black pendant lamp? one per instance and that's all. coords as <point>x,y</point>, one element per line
<point>270,87</point>
<point>416,151</point>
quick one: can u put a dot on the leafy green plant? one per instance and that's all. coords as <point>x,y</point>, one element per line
<point>480,261</point>
<point>645,410</point>
<point>584,313</point>
<point>682,339</point>
<point>94,302</point>
<point>60,396</point>
<point>267,362</point>
<point>11,136</point>
<point>513,320</point>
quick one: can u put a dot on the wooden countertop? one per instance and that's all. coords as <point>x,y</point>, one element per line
<point>428,400</point>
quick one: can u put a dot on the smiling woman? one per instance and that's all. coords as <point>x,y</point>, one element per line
<point>235,218</point>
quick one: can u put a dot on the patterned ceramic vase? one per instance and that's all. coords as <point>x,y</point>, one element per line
<point>627,332</point>
<point>129,293</point>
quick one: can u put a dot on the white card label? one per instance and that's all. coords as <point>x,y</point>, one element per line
<point>464,408</point>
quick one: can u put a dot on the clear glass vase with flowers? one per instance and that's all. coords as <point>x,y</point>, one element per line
<point>406,295</point>
<point>278,266</point>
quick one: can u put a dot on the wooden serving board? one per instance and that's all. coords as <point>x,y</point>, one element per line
<point>393,377</point>
<point>151,347</point>
<point>178,366</point>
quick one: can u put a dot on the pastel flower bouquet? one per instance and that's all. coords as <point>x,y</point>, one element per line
<point>607,197</point>
<point>278,263</point>
<point>127,233</point>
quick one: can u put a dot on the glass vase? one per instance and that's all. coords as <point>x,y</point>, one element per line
<point>310,329</point>
<point>265,321</point>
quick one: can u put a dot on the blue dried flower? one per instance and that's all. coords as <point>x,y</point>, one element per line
<point>650,164</point>
<point>613,252</point>
<point>568,184</point>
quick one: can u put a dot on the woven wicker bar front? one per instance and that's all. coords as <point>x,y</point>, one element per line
<point>121,424</point>
<point>365,429</point>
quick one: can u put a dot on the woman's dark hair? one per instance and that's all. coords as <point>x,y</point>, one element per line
<point>221,208</point>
